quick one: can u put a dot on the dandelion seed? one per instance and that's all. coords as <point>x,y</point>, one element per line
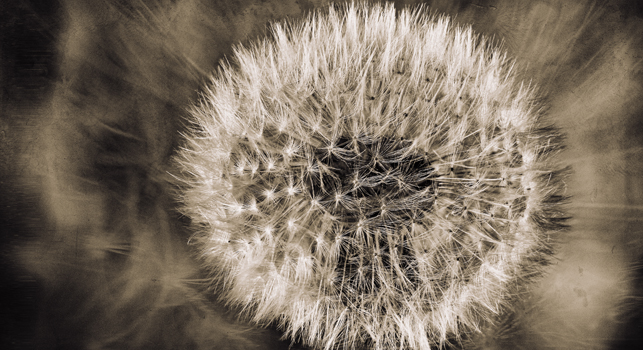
<point>410,218</point>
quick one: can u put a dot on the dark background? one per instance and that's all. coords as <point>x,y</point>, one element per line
<point>30,61</point>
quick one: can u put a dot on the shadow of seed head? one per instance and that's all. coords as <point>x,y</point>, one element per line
<point>367,177</point>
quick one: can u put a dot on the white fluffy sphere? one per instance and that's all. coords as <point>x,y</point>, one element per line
<point>371,177</point>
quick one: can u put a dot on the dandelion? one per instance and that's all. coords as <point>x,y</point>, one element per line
<point>371,178</point>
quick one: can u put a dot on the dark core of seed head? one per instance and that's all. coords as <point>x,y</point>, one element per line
<point>376,179</point>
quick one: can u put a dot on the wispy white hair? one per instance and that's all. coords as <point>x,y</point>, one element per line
<point>367,177</point>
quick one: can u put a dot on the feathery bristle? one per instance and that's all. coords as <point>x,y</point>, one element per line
<point>371,177</point>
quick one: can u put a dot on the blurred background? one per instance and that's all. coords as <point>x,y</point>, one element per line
<point>94,256</point>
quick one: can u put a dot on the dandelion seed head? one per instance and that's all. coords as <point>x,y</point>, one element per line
<point>395,173</point>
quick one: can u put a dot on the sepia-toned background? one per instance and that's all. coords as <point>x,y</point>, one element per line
<point>94,256</point>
